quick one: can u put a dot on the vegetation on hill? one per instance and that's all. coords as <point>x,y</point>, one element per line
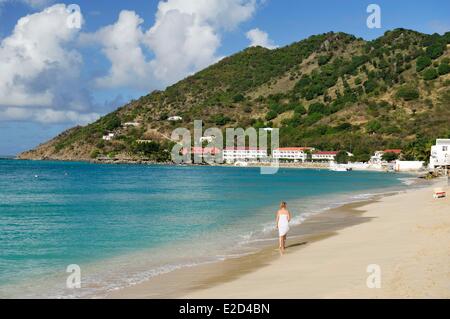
<point>331,91</point>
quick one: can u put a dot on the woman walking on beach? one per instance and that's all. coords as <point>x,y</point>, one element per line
<point>282,224</point>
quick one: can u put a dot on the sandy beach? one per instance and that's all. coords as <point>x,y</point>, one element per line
<point>406,235</point>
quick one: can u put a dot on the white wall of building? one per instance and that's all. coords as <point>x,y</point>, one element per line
<point>323,157</point>
<point>440,154</point>
<point>281,154</point>
<point>406,166</point>
<point>231,155</point>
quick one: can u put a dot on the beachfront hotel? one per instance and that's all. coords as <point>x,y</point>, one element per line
<point>440,154</point>
<point>247,154</point>
<point>324,156</point>
<point>202,151</point>
<point>292,153</point>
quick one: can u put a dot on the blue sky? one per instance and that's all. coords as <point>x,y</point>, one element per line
<point>52,78</point>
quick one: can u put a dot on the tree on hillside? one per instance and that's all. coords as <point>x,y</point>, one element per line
<point>342,157</point>
<point>300,109</point>
<point>430,74</point>
<point>319,108</point>
<point>444,68</point>
<point>436,50</point>
<point>423,62</point>
<point>389,157</point>
<point>112,122</point>
<point>238,98</point>
<point>408,93</point>
<point>373,126</point>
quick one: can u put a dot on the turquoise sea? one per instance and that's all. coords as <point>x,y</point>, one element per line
<point>123,224</point>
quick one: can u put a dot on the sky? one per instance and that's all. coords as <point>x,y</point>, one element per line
<point>66,63</point>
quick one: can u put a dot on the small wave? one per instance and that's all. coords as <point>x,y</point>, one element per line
<point>408,180</point>
<point>364,196</point>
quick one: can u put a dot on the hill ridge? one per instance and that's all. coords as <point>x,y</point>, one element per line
<point>330,91</point>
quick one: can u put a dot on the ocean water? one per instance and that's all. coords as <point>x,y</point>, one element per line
<point>123,224</point>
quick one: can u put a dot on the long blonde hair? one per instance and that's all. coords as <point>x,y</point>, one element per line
<point>283,205</point>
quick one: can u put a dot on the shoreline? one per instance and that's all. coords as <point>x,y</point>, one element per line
<point>242,277</point>
<point>307,166</point>
<point>200,276</point>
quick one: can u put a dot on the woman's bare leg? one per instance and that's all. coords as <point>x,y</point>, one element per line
<point>280,242</point>
<point>284,242</point>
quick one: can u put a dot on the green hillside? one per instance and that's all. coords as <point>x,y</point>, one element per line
<point>331,91</point>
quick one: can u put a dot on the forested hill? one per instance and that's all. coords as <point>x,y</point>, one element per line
<point>331,91</point>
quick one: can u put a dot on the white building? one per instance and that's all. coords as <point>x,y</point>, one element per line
<point>232,154</point>
<point>440,154</point>
<point>377,158</point>
<point>108,137</point>
<point>175,118</point>
<point>134,124</point>
<point>408,166</point>
<point>291,153</point>
<point>324,156</point>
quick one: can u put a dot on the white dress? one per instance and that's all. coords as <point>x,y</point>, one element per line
<point>283,225</point>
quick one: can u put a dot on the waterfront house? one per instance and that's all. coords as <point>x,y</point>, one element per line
<point>440,154</point>
<point>323,156</point>
<point>251,154</point>
<point>291,153</point>
<point>377,158</point>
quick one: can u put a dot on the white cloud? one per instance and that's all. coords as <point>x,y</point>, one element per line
<point>121,44</point>
<point>186,34</point>
<point>217,13</point>
<point>258,37</point>
<point>46,116</point>
<point>184,39</point>
<point>39,74</point>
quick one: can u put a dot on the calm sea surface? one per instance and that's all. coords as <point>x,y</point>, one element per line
<point>123,224</point>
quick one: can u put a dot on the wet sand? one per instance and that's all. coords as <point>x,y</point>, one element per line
<point>184,281</point>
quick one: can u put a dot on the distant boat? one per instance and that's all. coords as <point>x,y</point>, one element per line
<point>340,168</point>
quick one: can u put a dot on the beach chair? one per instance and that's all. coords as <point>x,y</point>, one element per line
<point>439,193</point>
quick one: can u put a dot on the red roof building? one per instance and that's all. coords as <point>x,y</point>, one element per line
<point>203,151</point>
<point>395,151</point>
<point>295,149</point>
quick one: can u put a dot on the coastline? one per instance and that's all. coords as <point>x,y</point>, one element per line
<point>307,166</point>
<point>330,258</point>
